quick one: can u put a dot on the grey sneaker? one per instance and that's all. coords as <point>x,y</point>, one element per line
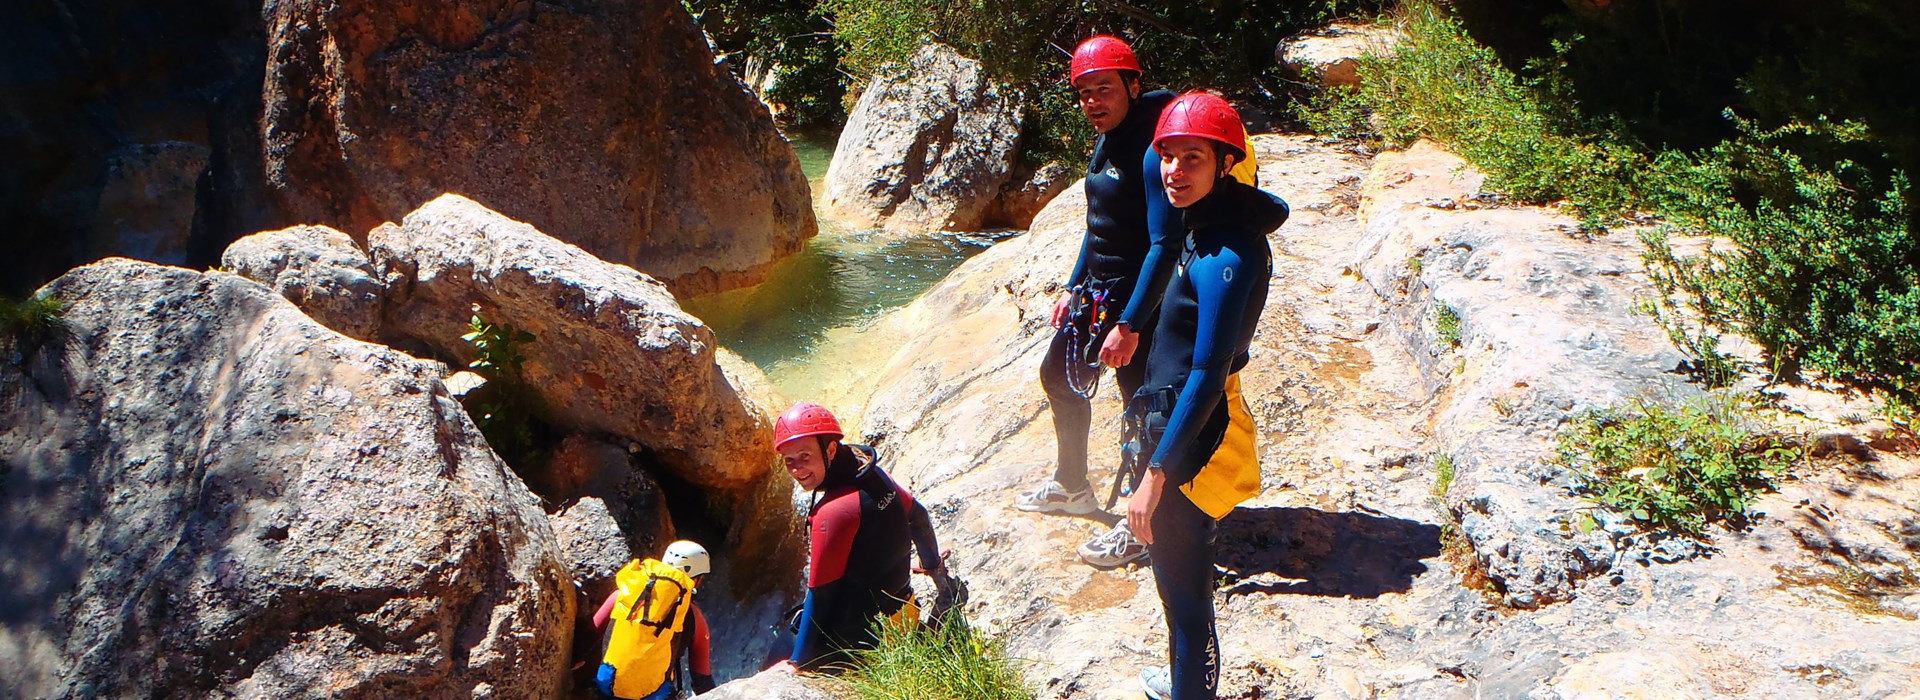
<point>1158,682</point>
<point>1113,548</point>
<point>1054,498</point>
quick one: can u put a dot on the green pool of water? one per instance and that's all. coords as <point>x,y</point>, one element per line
<point>842,280</point>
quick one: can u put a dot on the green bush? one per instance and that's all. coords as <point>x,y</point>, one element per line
<point>1673,465</point>
<point>950,662</point>
<point>1446,323</point>
<point>505,410</point>
<point>1815,259</point>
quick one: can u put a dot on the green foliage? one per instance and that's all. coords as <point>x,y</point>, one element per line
<point>495,354</point>
<point>950,662</point>
<point>1446,323</point>
<point>1442,474</point>
<point>505,410</point>
<point>33,319</point>
<point>1025,45</point>
<point>1674,465</point>
<point>789,38</point>
<point>1810,246</point>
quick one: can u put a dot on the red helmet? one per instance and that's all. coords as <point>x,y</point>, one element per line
<point>1205,115</point>
<point>1101,52</point>
<point>803,420</point>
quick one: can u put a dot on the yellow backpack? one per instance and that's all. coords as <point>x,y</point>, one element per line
<point>650,610</point>
<point>1247,171</point>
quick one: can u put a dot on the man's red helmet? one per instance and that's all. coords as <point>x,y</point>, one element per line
<point>805,420</point>
<point>1207,116</point>
<point>1101,52</point>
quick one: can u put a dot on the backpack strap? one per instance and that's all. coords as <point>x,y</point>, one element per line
<point>646,602</point>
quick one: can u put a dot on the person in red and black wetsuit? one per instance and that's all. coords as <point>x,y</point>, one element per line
<point>863,528</point>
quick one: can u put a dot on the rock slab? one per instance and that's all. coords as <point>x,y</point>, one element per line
<point>208,494</point>
<point>317,268</point>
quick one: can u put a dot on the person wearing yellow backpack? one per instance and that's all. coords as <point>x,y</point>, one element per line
<point>649,620</point>
<point>1194,421</point>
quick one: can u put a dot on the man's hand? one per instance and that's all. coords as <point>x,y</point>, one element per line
<point>1144,501</point>
<point>1118,349</point>
<point>1060,309</point>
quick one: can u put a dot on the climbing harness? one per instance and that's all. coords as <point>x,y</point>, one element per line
<point>1086,309</point>
<point>1134,449</point>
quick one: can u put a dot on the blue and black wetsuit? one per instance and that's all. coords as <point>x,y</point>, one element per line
<point>1129,251</point>
<point>862,527</point>
<point>1206,324</point>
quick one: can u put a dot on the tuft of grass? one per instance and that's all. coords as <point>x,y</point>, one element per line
<point>1860,591</point>
<point>947,662</point>
<point>33,319</point>
<point>1674,465</point>
<point>1442,474</point>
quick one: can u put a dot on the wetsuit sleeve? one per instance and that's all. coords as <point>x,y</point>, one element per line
<point>834,526</point>
<point>920,526</point>
<point>700,653</point>
<point>1222,287</point>
<point>606,610</point>
<point>1165,232</point>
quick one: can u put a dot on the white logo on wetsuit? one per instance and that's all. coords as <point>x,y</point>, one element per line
<point>1112,172</point>
<point>1226,275</point>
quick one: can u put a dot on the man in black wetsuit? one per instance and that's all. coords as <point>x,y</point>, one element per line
<point>1123,264</point>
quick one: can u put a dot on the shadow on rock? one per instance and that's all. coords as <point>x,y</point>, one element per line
<point>1330,554</point>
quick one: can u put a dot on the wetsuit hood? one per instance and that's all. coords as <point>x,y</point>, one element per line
<point>1237,203</point>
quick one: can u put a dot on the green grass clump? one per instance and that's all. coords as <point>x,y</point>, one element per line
<point>1446,323</point>
<point>31,320</point>
<point>1674,465</point>
<point>1442,474</point>
<point>919,662</point>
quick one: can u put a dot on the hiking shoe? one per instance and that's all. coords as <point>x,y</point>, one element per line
<point>1113,548</point>
<point>1158,682</point>
<point>1054,498</point>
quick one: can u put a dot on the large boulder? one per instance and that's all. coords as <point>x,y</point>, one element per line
<point>1330,56</point>
<point>772,685</point>
<point>613,355</point>
<point>318,269</point>
<point>208,494</point>
<point>606,123</point>
<point>927,148</point>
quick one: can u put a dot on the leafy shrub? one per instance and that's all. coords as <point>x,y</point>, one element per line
<point>1443,472</point>
<point>1674,465</point>
<point>947,662</point>
<point>1446,323</point>
<point>1814,255</point>
<point>505,410</point>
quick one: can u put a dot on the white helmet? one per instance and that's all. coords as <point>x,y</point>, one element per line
<point>688,556</point>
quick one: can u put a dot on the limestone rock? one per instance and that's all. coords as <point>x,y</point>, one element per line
<point>771,685</point>
<point>610,511</point>
<point>613,351</point>
<point>1027,192</point>
<point>927,148</point>
<point>605,123</point>
<point>1547,330</point>
<point>1332,54</point>
<point>207,493</point>
<point>614,356</point>
<point>317,268</point>
<point>147,205</point>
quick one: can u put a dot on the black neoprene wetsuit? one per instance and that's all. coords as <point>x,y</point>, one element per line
<point>1206,324</point>
<point>862,527</point>
<point>1130,244</point>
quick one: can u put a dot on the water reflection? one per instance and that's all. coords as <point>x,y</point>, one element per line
<point>842,280</point>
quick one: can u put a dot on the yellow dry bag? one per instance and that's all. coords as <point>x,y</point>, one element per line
<point>650,609</point>
<point>1232,475</point>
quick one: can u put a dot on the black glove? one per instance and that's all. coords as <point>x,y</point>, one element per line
<point>702,683</point>
<point>951,593</point>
